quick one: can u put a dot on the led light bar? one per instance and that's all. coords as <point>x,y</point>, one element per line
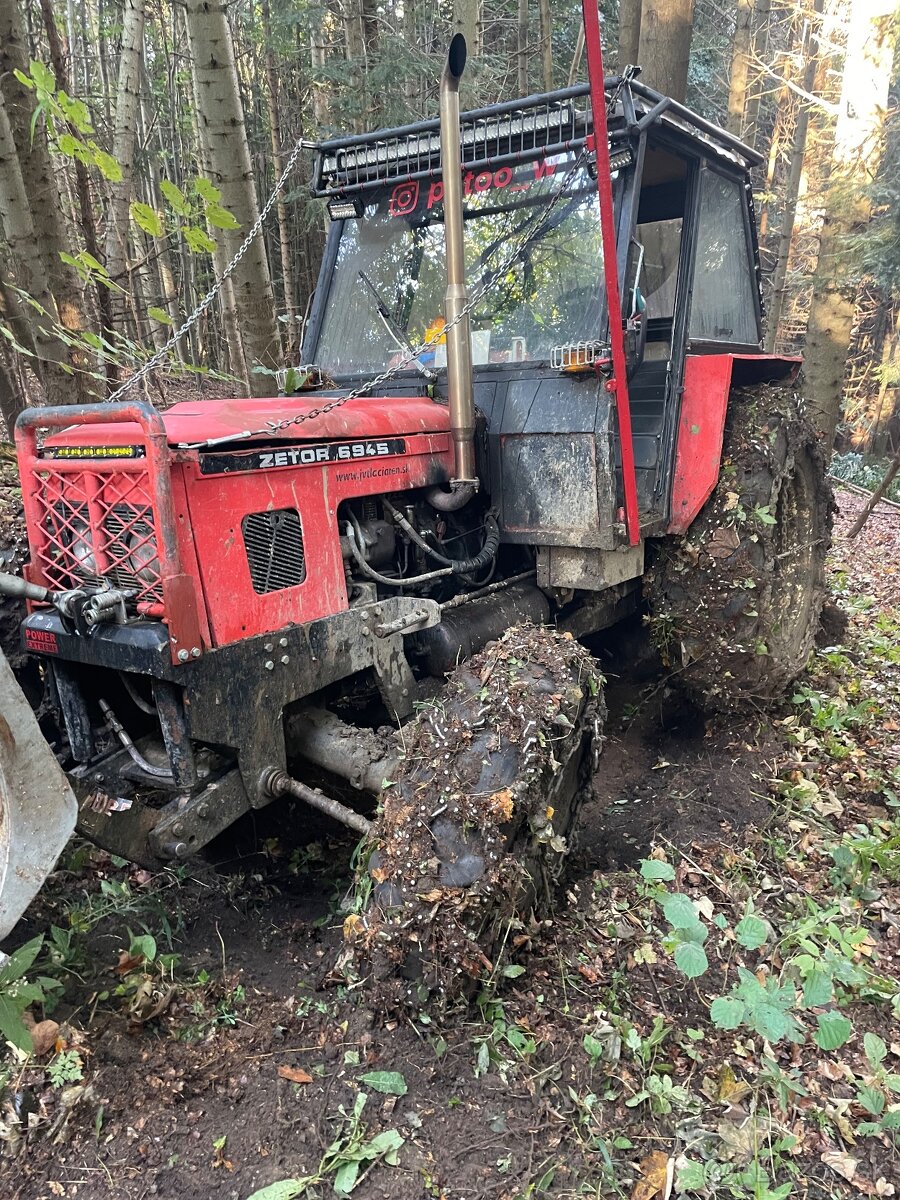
<point>344,210</point>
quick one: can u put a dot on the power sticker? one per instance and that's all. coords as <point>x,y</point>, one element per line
<point>41,641</point>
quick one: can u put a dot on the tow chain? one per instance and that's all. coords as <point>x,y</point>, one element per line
<point>273,427</point>
<point>152,363</point>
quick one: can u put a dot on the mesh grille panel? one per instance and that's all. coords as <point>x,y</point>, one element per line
<point>274,544</point>
<point>96,524</point>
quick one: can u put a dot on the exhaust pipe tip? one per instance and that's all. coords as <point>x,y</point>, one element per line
<point>456,58</point>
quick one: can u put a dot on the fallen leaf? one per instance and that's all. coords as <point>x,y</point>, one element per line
<point>841,1163</point>
<point>731,1090</point>
<point>352,926</point>
<point>645,954</point>
<point>501,805</point>
<point>723,542</point>
<point>128,962</point>
<point>657,1173</point>
<point>295,1074</point>
<point>831,1070</point>
<point>43,1037</point>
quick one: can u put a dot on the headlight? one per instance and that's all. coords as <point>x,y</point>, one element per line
<point>144,558</point>
<point>82,547</point>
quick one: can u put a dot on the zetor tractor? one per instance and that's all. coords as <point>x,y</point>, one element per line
<point>535,402</point>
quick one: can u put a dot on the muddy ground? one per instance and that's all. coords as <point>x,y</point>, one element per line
<point>220,1062</point>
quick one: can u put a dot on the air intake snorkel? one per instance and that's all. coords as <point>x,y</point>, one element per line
<point>464,484</point>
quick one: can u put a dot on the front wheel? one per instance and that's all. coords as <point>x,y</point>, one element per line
<point>475,830</point>
<point>735,603</point>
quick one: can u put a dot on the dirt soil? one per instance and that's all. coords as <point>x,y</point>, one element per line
<point>214,1061</point>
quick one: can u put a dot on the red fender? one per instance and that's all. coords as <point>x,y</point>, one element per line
<point>708,379</point>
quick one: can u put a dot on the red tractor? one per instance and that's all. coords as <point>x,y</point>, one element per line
<point>534,393</point>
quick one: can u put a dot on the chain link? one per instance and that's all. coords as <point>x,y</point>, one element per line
<point>162,354</point>
<point>273,427</point>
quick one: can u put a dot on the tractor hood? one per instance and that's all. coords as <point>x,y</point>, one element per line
<point>195,423</point>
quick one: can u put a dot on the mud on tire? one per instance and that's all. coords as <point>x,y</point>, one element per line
<point>735,603</point>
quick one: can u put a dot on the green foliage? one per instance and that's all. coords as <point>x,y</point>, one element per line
<point>501,1036</point>
<point>350,1152</point>
<point>67,121</point>
<point>391,1083</point>
<point>687,933</point>
<point>18,993</point>
<point>864,471</point>
<point>146,218</point>
<point>65,1067</point>
<point>833,1031</point>
<point>653,869</point>
<point>765,1008</point>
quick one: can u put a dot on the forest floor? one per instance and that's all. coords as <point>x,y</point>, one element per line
<point>714,1010</point>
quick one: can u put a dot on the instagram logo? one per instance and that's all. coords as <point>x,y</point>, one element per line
<point>404,199</point>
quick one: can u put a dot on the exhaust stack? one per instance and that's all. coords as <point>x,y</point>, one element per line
<point>459,340</point>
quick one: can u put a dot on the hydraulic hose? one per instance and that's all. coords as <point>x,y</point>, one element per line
<point>355,539</point>
<point>118,729</point>
<point>460,566</point>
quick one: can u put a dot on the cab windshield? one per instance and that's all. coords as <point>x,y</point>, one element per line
<point>388,282</point>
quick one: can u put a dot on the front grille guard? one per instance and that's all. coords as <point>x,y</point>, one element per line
<point>127,504</point>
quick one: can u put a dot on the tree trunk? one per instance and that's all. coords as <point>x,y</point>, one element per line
<point>288,279</point>
<point>629,32</point>
<point>82,185</point>
<point>127,98</point>
<point>760,39</point>
<point>39,177</point>
<point>320,87</point>
<point>740,67</point>
<point>665,45</point>
<point>221,118</point>
<point>227,306</point>
<point>12,402</point>
<point>792,188</point>
<point>18,229</point>
<point>546,45</point>
<point>467,21</point>
<point>855,161</point>
<point>890,381</point>
<point>522,48</point>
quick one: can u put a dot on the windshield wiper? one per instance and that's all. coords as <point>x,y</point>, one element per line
<point>394,329</point>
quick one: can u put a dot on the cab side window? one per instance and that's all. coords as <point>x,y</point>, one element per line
<point>723,308</point>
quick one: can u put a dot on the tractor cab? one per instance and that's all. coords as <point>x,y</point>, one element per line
<point>687,268</point>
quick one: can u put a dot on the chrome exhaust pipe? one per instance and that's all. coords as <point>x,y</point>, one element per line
<point>459,339</point>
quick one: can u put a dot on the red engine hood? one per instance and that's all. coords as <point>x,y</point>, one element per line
<point>202,420</point>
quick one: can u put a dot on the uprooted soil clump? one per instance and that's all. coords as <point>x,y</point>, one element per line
<point>473,832</point>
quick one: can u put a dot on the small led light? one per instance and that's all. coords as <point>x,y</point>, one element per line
<point>344,210</point>
<point>620,159</point>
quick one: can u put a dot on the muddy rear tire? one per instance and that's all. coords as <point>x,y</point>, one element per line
<point>475,831</point>
<point>735,603</point>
